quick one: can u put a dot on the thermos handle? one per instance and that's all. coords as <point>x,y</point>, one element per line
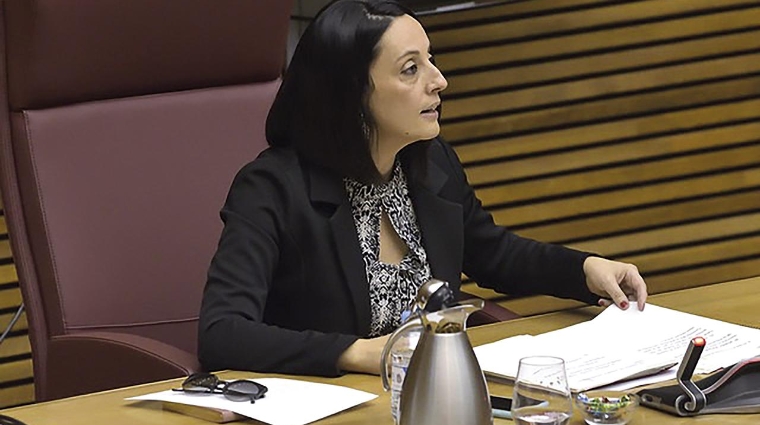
<point>385,359</point>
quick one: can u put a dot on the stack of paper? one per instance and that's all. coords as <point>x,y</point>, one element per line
<point>621,345</point>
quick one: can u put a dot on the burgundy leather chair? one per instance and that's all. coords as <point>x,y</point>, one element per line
<point>123,123</point>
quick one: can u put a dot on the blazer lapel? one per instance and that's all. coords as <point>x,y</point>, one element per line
<point>328,188</point>
<point>441,225</point>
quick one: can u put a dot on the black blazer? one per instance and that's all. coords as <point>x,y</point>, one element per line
<point>287,290</point>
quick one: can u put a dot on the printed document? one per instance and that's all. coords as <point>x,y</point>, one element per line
<point>621,345</point>
<point>665,332</point>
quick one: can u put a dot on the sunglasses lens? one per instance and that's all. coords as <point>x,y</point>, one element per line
<point>244,390</point>
<point>200,382</point>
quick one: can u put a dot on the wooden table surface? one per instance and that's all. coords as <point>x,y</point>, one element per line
<point>736,302</point>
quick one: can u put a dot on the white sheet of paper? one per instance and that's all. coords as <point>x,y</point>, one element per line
<point>665,332</point>
<point>618,344</point>
<point>587,366</point>
<point>288,401</point>
<point>644,380</point>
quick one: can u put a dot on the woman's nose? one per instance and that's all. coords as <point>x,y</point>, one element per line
<point>438,82</point>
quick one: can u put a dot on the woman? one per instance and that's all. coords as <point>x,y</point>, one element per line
<point>330,231</point>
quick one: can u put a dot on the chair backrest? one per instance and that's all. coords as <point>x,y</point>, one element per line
<point>123,123</point>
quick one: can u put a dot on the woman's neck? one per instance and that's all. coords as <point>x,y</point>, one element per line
<point>384,156</point>
<point>385,167</point>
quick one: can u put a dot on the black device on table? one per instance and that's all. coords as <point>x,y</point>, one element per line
<point>735,389</point>
<point>501,407</point>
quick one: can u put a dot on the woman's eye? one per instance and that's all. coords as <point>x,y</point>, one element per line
<point>410,70</point>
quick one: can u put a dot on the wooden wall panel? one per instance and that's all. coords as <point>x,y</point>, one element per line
<point>556,116</point>
<point>505,11</point>
<point>626,128</point>
<point>16,375</point>
<point>653,216</point>
<point>622,130</point>
<point>686,52</point>
<point>608,86</point>
<point>526,50</point>
<point>622,15</point>
<point>625,172</point>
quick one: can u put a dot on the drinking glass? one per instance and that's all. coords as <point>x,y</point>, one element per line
<point>541,394</point>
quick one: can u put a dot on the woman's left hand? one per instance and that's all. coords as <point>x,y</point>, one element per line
<point>615,280</point>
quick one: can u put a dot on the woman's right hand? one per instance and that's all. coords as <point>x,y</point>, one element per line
<point>363,356</point>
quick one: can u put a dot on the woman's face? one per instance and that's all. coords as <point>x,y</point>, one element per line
<point>406,86</point>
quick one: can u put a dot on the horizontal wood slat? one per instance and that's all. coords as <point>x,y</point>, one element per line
<point>606,86</point>
<point>21,324</point>
<point>604,17</point>
<point>605,109</point>
<point>651,263</point>
<point>623,129</point>
<point>15,346</point>
<point>476,14</point>
<point>17,395</point>
<point>733,141</point>
<point>5,250</point>
<point>10,298</point>
<point>603,63</point>
<point>8,274</point>
<point>629,129</point>
<point>19,373</point>
<point>674,235</point>
<point>646,217</point>
<point>621,175</point>
<point>705,276</point>
<point>16,371</point>
<point>596,155</point>
<point>574,45</point>
<point>628,198</point>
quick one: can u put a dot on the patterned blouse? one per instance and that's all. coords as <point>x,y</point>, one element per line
<point>391,286</point>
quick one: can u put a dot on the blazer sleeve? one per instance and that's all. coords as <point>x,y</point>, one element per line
<point>232,333</point>
<point>501,260</point>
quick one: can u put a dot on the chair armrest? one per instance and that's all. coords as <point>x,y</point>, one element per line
<point>491,312</point>
<point>95,361</point>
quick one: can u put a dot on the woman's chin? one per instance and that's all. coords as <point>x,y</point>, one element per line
<point>431,132</point>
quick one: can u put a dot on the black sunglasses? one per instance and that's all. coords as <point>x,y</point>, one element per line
<point>239,390</point>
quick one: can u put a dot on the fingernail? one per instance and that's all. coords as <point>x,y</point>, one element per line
<point>624,305</point>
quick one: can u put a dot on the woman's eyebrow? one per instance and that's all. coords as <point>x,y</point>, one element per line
<point>407,53</point>
<point>414,52</point>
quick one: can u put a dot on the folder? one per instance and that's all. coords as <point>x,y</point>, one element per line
<point>210,414</point>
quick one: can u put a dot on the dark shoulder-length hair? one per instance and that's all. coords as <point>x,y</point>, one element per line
<point>322,107</point>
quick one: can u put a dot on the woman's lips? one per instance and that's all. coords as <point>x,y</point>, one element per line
<point>430,114</point>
